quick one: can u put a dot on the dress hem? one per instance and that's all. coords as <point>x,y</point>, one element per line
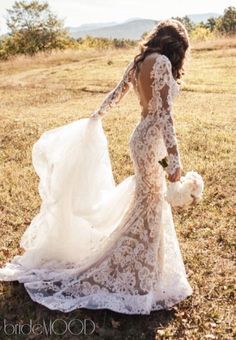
<point>118,303</point>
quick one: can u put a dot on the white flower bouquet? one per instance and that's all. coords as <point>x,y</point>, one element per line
<point>188,190</point>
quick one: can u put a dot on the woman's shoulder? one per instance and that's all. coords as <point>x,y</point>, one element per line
<point>159,64</point>
<point>158,58</point>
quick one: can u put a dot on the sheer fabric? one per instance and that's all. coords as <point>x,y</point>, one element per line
<point>95,244</point>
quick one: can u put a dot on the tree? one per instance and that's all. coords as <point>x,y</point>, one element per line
<point>211,23</point>
<point>227,23</point>
<point>144,35</point>
<point>33,27</point>
<point>189,25</point>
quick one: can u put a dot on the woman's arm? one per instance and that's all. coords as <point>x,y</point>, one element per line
<point>116,94</point>
<point>162,86</point>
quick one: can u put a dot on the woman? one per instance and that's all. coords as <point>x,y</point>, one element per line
<point>95,244</point>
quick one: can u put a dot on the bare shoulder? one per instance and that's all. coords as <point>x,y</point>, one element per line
<point>156,57</point>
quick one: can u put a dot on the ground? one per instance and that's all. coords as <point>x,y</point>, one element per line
<point>51,90</point>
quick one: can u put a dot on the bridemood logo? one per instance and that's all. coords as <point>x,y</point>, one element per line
<point>48,327</point>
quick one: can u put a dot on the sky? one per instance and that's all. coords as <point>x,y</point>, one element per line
<point>77,12</point>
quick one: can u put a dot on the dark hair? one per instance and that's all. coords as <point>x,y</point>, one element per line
<point>168,37</point>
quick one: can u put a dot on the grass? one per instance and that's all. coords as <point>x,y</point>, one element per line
<point>51,90</point>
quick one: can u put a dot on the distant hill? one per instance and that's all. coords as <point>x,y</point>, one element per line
<point>132,29</point>
<point>87,27</point>
<point>196,18</point>
<point>129,29</point>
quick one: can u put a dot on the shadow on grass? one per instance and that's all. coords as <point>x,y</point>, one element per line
<point>17,308</point>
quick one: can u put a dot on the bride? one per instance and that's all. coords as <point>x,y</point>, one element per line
<point>95,244</point>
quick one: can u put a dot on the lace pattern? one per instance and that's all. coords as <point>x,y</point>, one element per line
<point>117,93</point>
<point>164,90</point>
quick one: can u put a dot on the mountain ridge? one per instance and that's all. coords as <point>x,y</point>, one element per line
<point>132,28</point>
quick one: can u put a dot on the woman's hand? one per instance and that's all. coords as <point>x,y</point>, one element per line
<point>175,176</point>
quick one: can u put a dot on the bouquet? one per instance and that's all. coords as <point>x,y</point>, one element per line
<point>186,191</point>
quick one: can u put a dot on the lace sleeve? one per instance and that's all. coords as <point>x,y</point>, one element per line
<point>117,93</point>
<point>162,86</point>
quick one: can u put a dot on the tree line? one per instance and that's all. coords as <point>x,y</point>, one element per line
<point>222,25</point>
<point>33,27</point>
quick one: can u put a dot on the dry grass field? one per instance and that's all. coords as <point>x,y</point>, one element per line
<point>51,90</point>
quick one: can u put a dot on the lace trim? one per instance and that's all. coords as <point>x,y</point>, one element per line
<point>121,303</point>
<point>173,163</point>
<point>117,93</point>
<point>161,105</point>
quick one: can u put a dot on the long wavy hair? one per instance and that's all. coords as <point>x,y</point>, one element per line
<point>168,37</point>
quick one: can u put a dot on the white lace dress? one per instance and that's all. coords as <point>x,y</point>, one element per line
<point>95,244</point>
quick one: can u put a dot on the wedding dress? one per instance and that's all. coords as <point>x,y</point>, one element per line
<point>94,243</point>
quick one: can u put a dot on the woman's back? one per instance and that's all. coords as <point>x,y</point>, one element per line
<point>157,66</point>
<point>142,82</point>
